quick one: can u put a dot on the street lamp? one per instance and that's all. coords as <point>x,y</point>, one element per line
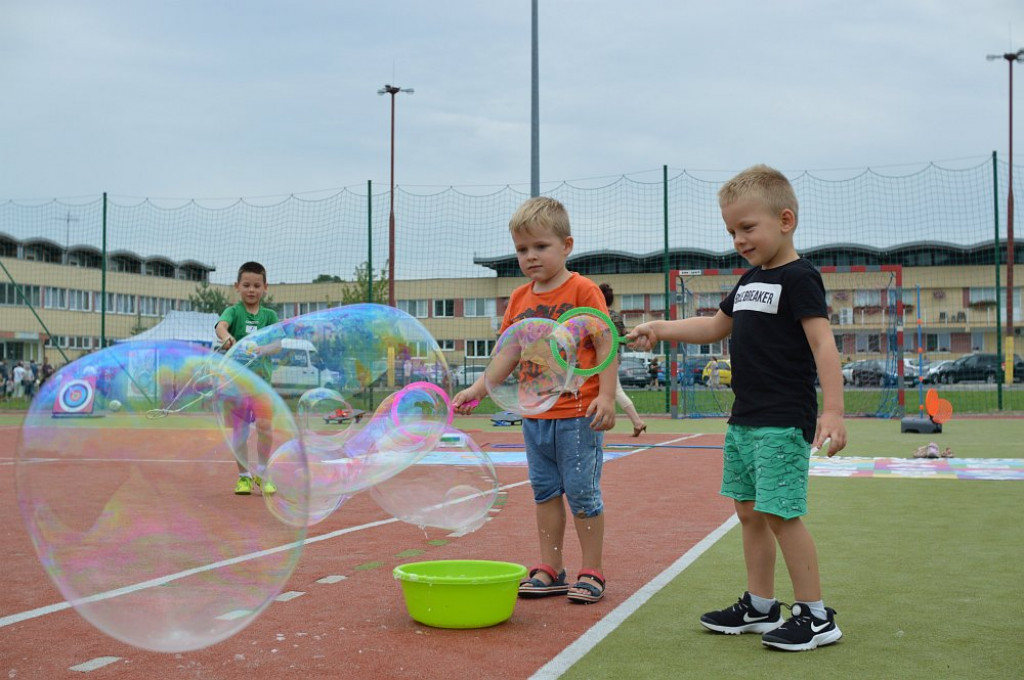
<point>392,90</point>
<point>1010,58</point>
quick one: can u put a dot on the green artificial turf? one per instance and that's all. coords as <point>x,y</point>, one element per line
<point>924,576</point>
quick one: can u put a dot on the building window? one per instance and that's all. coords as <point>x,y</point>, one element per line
<point>631,303</point>
<point>9,295</point>
<point>475,307</point>
<point>80,300</point>
<point>56,298</point>
<point>416,308</point>
<point>479,349</point>
<point>658,302</point>
<point>444,308</point>
<point>446,345</point>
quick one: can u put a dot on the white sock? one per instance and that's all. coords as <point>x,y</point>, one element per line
<point>817,609</point>
<point>761,604</point>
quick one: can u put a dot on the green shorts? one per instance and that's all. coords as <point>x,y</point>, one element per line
<point>767,465</point>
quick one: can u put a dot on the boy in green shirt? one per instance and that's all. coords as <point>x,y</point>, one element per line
<point>237,321</point>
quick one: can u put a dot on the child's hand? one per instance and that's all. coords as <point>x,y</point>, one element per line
<point>603,411</point>
<point>831,428</point>
<point>642,338</point>
<point>227,343</point>
<point>465,401</point>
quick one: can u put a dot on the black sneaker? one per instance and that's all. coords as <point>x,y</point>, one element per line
<point>743,618</point>
<point>803,631</point>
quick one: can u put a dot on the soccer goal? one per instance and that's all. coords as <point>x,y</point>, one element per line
<point>865,306</point>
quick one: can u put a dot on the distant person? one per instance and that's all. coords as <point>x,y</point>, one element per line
<point>778,319</point>
<point>621,398</point>
<point>653,369</point>
<point>247,316</point>
<point>714,377</point>
<point>564,454</point>
<point>18,375</point>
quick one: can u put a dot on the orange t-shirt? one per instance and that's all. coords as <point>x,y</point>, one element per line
<point>577,291</point>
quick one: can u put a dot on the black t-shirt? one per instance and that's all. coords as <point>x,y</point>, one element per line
<point>773,367</point>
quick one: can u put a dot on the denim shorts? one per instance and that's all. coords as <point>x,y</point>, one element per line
<point>565,457</point>
<point>767,465</point>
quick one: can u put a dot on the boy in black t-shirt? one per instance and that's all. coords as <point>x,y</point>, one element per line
<point>781,337</point>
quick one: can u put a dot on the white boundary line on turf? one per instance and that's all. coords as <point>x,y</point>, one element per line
<point>600,630</point>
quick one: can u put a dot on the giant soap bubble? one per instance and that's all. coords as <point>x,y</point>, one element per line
<point>130,509</point>
<point>454,492</point>
<point>371,382</point>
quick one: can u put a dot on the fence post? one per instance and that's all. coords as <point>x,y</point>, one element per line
<point>995,258</point>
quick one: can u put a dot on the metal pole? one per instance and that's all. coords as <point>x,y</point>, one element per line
<point>1008,350</point>
<point>535,110</point>
<point>369,240</point>
<point>391,213</point>
<point>392,90</point>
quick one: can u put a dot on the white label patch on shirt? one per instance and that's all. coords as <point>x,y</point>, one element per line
<point>758,297</point>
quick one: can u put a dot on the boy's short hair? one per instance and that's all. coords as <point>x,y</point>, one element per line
<point>541,211</point>
<point>252,268</point>
<point>763,183</point>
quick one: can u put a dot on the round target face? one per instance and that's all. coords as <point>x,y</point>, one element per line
<point>75,396</point>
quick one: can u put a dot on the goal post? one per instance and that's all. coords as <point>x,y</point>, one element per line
<point>865,308</point>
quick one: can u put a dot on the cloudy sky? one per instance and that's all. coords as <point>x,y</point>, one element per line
<point>217,100</point>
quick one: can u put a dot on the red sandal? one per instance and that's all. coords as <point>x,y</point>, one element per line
<point>533,587</point>
<point>593,594</point>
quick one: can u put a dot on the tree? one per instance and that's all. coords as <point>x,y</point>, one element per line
<point>327,278</point>
<point>208,300</point>
<point>355,291</point>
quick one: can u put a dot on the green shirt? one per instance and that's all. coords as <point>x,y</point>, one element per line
<point>242,323</point>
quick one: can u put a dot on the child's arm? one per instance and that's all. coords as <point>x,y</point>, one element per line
<point>698,330</point>
<point>826,359</point>
<point>602,408</point>
<point>225,338</point>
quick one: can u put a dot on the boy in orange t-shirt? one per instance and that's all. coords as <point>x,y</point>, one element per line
<point>563,444</point>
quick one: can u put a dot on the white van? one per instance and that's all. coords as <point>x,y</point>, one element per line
<point>298,367</point>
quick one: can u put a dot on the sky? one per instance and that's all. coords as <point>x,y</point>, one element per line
<point>197,99</point>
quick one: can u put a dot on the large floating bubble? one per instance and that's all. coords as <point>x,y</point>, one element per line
<point>537,360</point>
<point>124,482</point>
<point>455,492</point>
<point>531,366</point>
<point>361,351</point>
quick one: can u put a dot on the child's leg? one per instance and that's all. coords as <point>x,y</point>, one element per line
<point>590,531</point>
<point>801,557</point>
<point>758,549</point>
<point>551,531</point>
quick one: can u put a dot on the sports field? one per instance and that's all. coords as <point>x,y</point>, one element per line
<point>922,572</point>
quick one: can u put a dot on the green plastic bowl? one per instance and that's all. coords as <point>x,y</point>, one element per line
<point>460,593</point>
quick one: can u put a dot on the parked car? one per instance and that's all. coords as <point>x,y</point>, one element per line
<point>874,372</point>
<point>933,370</point>
<point>912,368</point>
<point>980,366</point>
<point>690,371</point>
<point>724,372</point>
<point>847,370</point>
<point>633,373</point>
<point>464,376</point>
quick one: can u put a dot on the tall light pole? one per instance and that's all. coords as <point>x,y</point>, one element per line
<point>1010,58</point>
<point>392,90</point>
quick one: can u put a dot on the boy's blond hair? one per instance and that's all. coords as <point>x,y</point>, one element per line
<point>763,183</point>
<point>544,212</point>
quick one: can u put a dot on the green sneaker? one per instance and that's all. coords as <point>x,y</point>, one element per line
<point>266,486</point>
<point>243,487</point>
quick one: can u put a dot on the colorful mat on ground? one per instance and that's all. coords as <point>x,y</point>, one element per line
<point>924,468</point>
<point>840,466</point>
